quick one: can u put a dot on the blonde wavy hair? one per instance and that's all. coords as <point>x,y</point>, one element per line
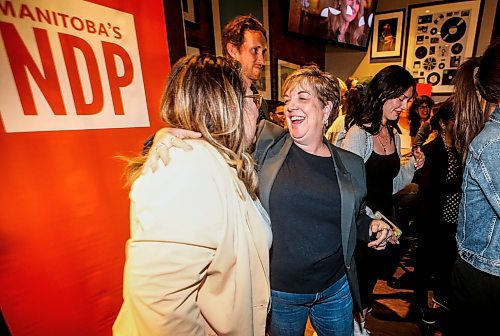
<point>206,94</point>
<point>355,31</point>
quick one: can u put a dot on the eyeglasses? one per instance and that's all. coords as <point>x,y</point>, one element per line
<point>257,99</point>
<point>424,107</point>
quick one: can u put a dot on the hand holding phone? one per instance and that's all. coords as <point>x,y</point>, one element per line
<point>396,231</point>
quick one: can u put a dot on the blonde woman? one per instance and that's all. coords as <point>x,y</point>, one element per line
<point>346,21</point>
<point>197,259</point>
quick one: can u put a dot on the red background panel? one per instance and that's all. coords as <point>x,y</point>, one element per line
<point>64,209</point>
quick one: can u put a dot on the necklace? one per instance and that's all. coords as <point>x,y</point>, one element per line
<point>443,136</point>
<point>384,146</point>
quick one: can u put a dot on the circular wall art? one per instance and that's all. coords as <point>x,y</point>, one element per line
<point>453,29</point>
<point>433,78</point>
<point>421,52</point>
<point>430,63</point>
<point>457,48</point>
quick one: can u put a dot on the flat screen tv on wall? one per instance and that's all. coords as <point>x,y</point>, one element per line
<point>345,22</point>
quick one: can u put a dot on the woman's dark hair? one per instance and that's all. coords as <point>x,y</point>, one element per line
<point>444,113</point>
<point>470,116</point>
<point>354,97</point>
<point>414,117</point>
<point>389,83</point>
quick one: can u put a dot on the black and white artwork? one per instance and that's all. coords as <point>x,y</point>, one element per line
<point>440,38</point>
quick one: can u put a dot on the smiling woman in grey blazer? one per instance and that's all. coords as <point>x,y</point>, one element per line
<point>314,193</point>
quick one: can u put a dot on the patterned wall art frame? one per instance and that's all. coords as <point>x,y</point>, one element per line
<point>440,37</point>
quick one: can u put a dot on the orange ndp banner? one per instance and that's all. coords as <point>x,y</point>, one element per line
<point>81,82</point>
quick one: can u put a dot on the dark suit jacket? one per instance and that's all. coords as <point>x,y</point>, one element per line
<point>272,147</point>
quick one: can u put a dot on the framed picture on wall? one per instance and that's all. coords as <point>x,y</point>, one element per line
<point>284,70</point>
<point>387,37</point>
<point>440,37</point>
<point>264,83</point>
<point>189,10</point>
<point>192,51</point>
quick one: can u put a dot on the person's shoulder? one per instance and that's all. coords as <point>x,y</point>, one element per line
<point>339,123</point>
<point>202,160</point>
<point>355,131</point>
<point>488,140</point>
<point>347,156</point>
<point>199,167</point>
<point>269,129</point>
<point>267,136</point>
<point>202,153</point>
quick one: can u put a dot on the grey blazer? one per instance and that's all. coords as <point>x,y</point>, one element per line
<point>272,147</point>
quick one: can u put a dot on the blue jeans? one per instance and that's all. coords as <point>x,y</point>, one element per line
<point>330,311</point>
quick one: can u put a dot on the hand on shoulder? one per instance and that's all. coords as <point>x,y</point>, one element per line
<point>165,139</point>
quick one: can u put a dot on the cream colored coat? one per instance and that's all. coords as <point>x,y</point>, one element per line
<point>197,260</point>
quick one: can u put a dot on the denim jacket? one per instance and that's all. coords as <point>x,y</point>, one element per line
<point>478,234</point>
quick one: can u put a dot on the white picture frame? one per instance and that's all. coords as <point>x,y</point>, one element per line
<point>440,37</point>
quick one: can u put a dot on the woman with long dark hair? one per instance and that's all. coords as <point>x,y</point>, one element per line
<point>337,131</point>
<point>476,274</point>
<point>374,137</point>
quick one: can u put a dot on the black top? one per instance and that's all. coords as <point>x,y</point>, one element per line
<point>451,200</point>
<point>380,172</point>
<point>304,204</point>
<point>439,191</point>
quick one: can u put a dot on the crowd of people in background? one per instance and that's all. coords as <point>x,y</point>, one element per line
<point>250,218</point>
